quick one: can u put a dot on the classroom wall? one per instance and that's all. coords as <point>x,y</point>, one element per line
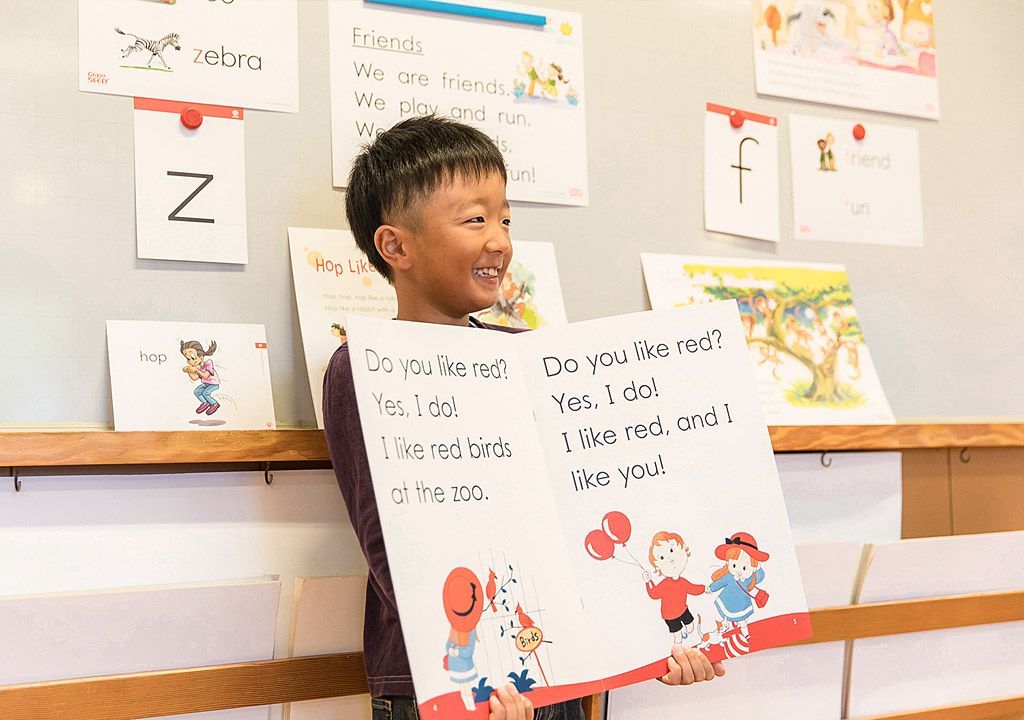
<point>940,320</point>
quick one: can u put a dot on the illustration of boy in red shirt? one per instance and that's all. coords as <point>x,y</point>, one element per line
<point>669,555</point>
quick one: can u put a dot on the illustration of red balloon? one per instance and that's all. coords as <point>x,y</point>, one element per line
<point>616,526</point>
<point>599,545</point>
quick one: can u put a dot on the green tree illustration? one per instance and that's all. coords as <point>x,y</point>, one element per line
<point>809,325</point>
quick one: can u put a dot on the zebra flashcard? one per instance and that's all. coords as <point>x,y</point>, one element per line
<point>227,52</point>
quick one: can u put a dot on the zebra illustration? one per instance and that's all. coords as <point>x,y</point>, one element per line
<point>154,47</point>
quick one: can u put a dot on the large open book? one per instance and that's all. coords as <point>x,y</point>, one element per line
<point>562,506</point>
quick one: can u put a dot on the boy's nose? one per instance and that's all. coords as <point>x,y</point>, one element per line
<point>499,242</point>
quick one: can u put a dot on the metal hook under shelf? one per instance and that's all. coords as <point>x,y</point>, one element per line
<point>823,459</point>
<point>17,480</point>
<point>268,477</point>
<point>965,455</point>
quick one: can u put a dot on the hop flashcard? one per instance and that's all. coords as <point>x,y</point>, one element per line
<point>189,376</point>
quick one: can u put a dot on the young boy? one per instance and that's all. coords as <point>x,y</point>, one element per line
<point>426,203</point>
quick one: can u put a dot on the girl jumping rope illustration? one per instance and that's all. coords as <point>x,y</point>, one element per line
<point>200,369</point>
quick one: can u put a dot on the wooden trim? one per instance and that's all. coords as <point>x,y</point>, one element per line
<point>980,710</point>
<point>58,449</point>
<point>906,616</point>
<point>223,687</point>
<point>796,438</point>
<point>113,449</point>
<point>191,690</point>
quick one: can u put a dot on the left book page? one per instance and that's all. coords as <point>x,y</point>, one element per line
<point>482,576</point>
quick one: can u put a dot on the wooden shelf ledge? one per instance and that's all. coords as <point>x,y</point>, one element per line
<point>1011,708</point>
<point>224,687</point>
<point>308,448</point>
<point>112,449</point>
<point>822,438</point>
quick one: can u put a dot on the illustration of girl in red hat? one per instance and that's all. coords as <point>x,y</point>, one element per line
<point>464,603</point>
<point>736,581</point>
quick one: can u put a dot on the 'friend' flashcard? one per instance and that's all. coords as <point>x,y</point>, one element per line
<point>853,182</point>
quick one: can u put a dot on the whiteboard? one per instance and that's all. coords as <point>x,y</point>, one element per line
<point>67,243</point>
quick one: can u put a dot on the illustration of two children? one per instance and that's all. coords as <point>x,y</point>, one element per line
<point>735,582</point>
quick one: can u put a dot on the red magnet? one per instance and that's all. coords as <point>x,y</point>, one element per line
<point>191,118</point>
<point>859,132</point>
<point>736,118</point>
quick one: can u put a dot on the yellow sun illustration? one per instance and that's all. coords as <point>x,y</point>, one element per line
<point>566,29</point>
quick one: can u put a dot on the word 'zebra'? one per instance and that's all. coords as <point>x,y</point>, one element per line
<point>155,47</point>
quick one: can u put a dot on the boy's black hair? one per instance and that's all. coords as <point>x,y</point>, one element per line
<point>403,166</point>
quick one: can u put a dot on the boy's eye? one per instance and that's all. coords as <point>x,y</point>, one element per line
<point>506,222</point>
<point>477,219</point>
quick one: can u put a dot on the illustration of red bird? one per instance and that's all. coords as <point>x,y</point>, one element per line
<point>492,589</point>
<point>524,619</point>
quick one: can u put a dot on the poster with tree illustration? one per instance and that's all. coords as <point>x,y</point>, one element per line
<point>563,508</point>
<point>531,294</point>
<point>805,339</point>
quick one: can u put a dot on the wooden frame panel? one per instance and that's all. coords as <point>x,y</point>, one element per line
<point>987,490</point>
<point>222,687</point>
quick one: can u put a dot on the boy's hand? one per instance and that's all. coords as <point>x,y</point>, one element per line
<point>507,704</point>
<point>687,666</point>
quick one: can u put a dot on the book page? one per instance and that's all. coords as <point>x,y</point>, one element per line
<point>663,474</point>
<point>481,575</point>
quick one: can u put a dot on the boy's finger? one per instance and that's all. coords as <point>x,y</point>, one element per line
<point>719,668</point>
<point>709,672</point>
<point>693,658</point>
<point>673,674</point>
<point>686,676</point>
<point>528,707</point>
<point>497,711</point>
<point>514,706</point>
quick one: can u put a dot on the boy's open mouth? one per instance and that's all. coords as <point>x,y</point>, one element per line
<point>487,273</point>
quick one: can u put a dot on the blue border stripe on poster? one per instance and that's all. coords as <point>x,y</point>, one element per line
<point>469,10</point>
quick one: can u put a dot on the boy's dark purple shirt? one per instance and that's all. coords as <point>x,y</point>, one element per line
<point>387,664</point>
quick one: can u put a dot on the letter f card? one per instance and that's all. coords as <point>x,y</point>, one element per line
<point>190,182</point>
<point>741,173</point>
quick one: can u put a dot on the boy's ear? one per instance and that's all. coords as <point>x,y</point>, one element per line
<point>391,243</point>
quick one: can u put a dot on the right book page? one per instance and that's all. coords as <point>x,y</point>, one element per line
<point>665,482</point>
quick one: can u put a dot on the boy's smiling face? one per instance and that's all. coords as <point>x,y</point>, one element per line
<point>454,250</point>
